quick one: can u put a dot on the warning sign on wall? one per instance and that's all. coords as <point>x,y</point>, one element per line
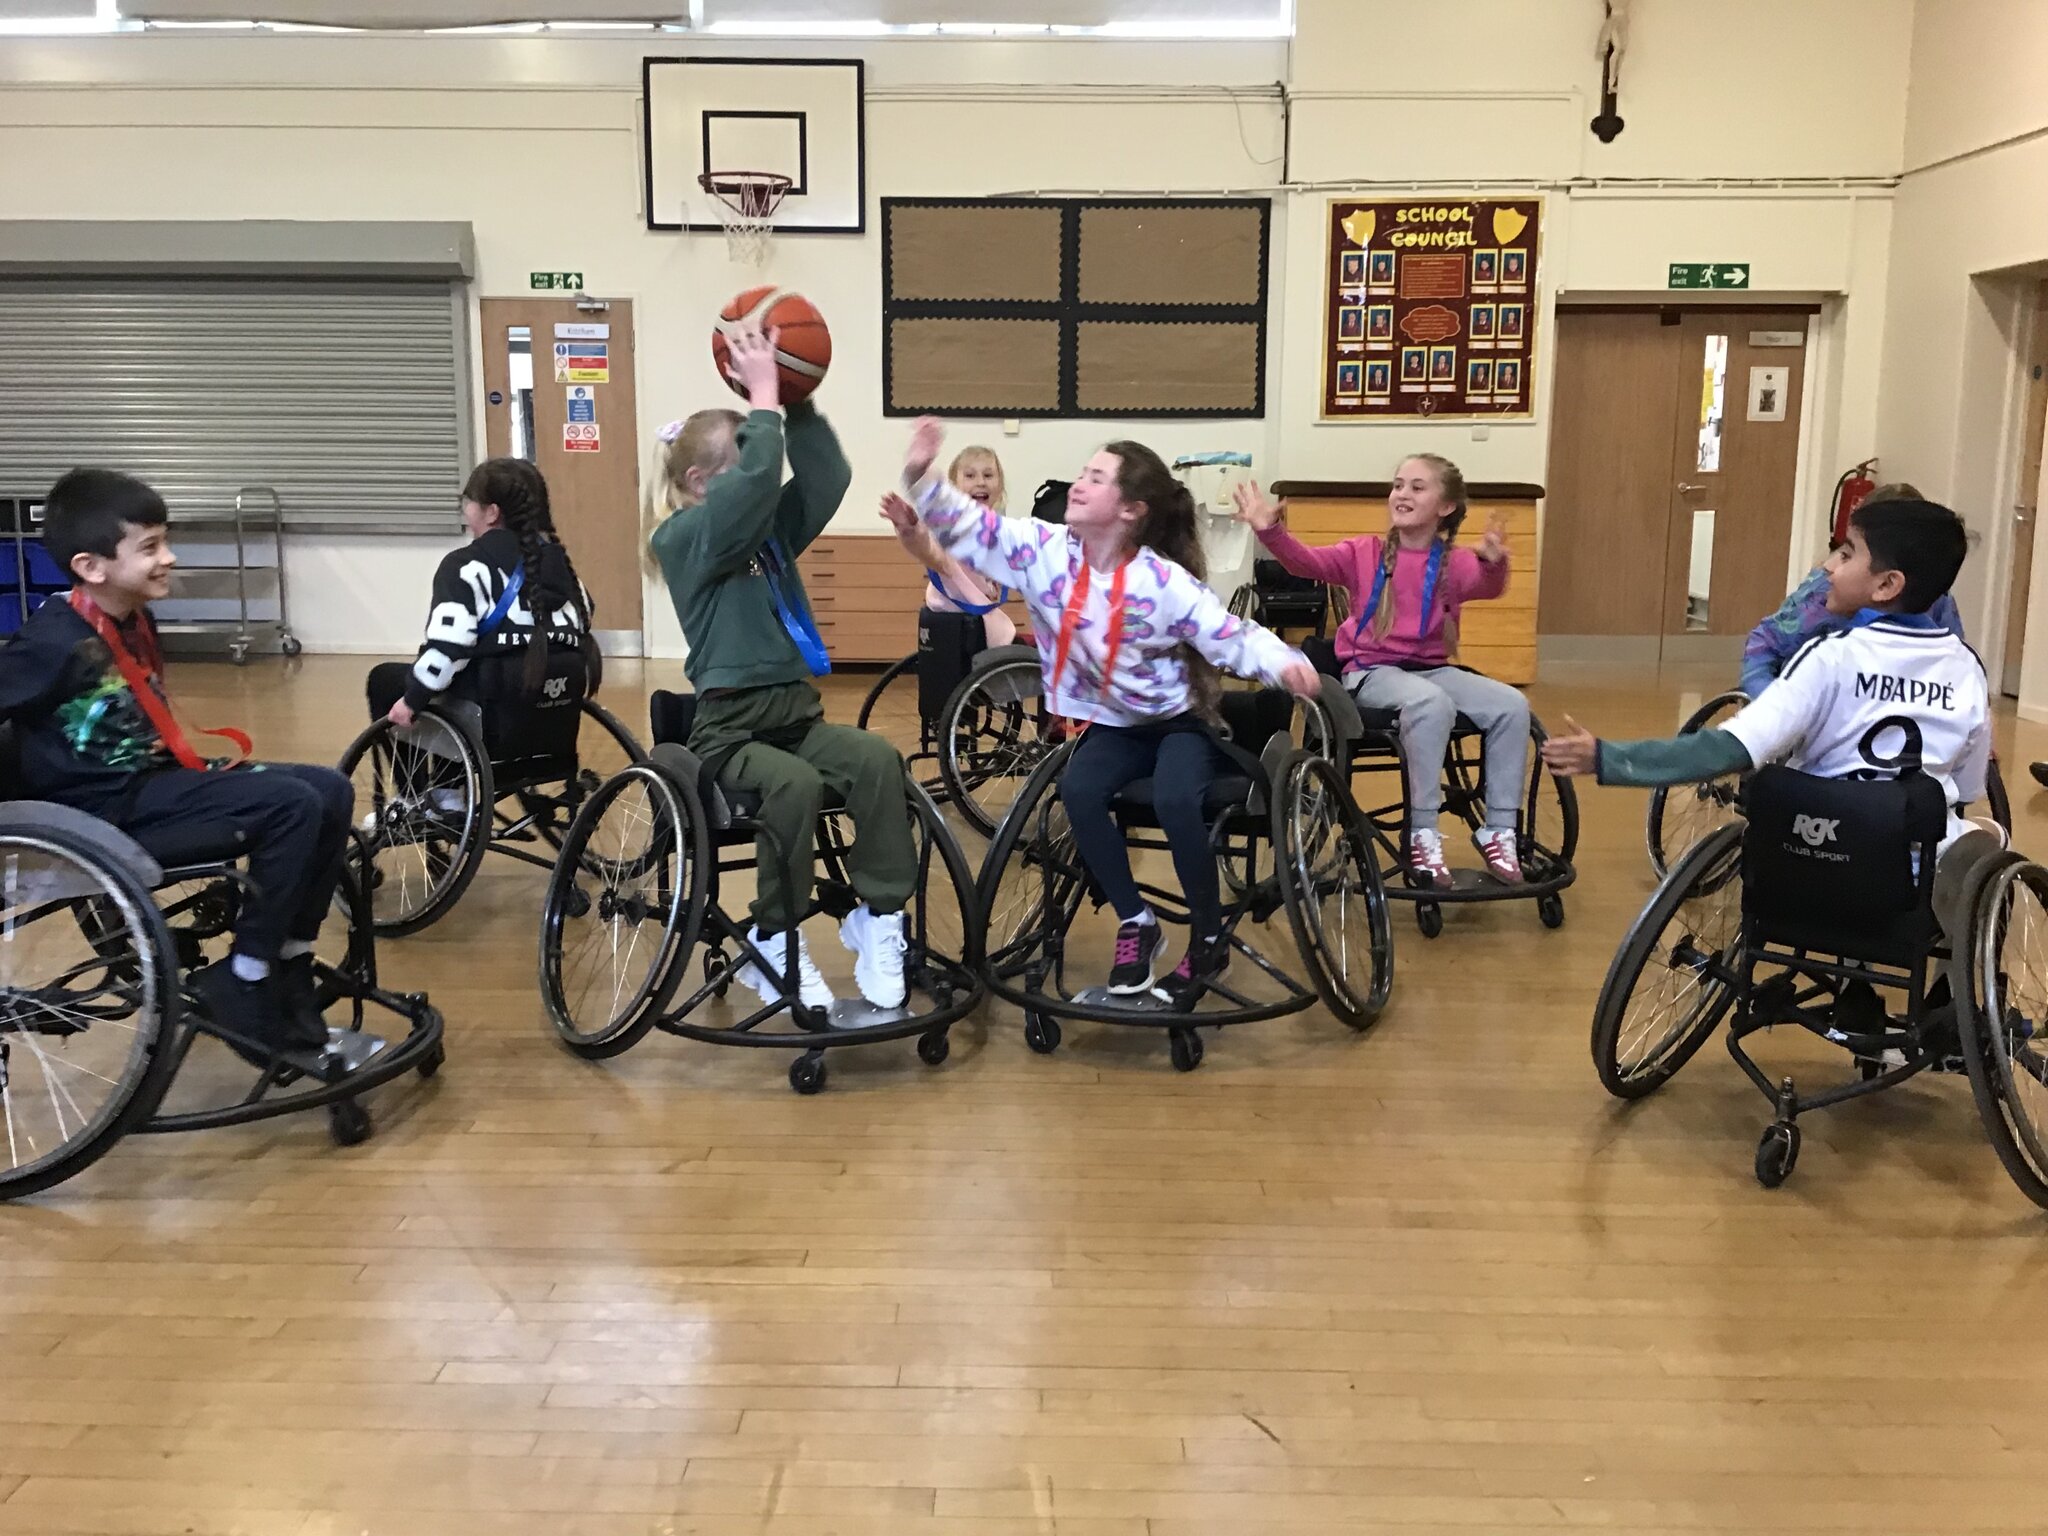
<point>582,402</point>
<point>579,437</point>
<point>582,362</point>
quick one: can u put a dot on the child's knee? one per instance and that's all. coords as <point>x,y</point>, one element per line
<point>1084,793</point>
<point>1178,798</point>
<point>1429,709</point>
<point>798,791</point>
<point>337,796</point>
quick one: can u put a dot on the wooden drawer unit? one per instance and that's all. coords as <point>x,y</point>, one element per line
<point>865,593</point>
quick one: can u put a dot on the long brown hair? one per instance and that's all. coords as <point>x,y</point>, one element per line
<point>520,493</point>
<point>1451,484</point>
<point>1168,529</point>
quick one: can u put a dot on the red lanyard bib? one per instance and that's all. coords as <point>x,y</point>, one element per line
<point>140,675</point>
<point>1070,621</point>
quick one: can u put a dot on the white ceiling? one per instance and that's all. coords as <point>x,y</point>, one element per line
<point>419,14</point>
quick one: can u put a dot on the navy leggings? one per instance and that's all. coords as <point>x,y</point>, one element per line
<point>1182,760</point>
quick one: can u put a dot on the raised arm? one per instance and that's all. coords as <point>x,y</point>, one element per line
<point>1236,645</point>
<point>819,476</point>
<point>1332,564</point>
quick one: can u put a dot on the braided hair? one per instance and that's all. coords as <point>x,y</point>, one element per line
<point>1168,529</point>
<point>1451,484</point>
<point>520,494</point>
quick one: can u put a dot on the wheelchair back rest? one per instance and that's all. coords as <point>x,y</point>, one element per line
<point>1255,717</point>
<point>947,644</point>
<point>1829,864</point>
<point>1322,655</point>
<point>11,785</point>
<point>670,716</point>
<point>1049,502</point>
<point>518,725</point>
<point>1270,577</point>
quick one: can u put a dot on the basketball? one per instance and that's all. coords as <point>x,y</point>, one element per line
<point>803,350</point>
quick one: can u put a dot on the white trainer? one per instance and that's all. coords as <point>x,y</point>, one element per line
<point>811,985</point>
<point>878,944</point>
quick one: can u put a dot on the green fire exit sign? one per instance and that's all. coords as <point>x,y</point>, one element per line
<point>1708,274</point>
<point>573,281</point>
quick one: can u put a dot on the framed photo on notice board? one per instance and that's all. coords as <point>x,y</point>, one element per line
<point>1446,288</point>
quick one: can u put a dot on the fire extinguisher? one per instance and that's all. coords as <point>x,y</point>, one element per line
<point>1850,492</point>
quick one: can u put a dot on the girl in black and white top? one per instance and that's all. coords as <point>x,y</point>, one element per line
<point>501,603</point>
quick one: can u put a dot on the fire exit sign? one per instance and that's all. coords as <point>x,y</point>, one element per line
<point>573,281</point>
<point>1708,274</point>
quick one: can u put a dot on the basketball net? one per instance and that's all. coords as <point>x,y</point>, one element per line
<point>746,202</point>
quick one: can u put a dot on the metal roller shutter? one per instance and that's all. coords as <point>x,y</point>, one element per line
<point>349,397</point>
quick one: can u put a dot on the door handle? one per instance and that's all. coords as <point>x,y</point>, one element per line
<point>1688,488</point>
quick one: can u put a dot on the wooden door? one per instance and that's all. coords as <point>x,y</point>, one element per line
<point>1734,470</point>
<point>1653,425</point>
<point>1606,507</point>
<point>592,466</point>
<point>2026,500</point>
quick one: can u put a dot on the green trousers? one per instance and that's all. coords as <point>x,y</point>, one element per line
<point>783,750</point>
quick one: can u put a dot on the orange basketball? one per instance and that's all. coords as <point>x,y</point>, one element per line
<point>803,350</point>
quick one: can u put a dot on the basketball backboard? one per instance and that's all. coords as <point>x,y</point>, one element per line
<point>800,118</point>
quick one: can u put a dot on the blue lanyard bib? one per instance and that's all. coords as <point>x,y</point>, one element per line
<point>504,603</point>
<point>938,586</point>
<point>1379,587</point>
<point>795,616</point>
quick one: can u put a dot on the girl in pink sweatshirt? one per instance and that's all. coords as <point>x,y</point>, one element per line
<point>1406,589</point>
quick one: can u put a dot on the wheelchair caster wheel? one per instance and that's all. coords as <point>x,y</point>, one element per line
<point>1776,1155</point>
<point>715,964</point>
<point>807,1073</point>
<point>577,903</point>
<point>1041,1033</point>
<point>1186,1047</point>
<point>431,1062</point>
<point>1551,910</point>
<point>348,1122</point>
<point>933,1048</point>
<point>1429,917</point>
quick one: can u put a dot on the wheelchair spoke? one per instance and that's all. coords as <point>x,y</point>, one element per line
<point>2017,1013</point>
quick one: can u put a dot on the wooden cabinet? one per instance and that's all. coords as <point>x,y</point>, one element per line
<point>865,593</point>
<point>1496,637</point>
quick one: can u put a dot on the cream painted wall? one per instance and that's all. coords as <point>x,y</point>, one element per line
<point>1969,243</point>
<point>535,142</point>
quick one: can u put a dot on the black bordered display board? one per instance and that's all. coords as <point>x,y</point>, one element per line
<point>1075,307</point>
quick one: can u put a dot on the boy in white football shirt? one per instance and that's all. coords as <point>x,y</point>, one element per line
<point>1896,689</point>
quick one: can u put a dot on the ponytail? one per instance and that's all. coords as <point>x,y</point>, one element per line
<point>520,494</point>
<point>1169,529</point>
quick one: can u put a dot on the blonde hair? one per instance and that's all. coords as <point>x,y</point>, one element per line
<point>1451,485</point>
<point>974,453</point>
<point>695,444</point>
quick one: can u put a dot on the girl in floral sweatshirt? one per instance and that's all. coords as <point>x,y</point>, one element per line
<point>1406,588</point>
<point>1130,639</point>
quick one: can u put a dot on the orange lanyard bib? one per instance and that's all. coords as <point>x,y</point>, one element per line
<point>1070,622</point>
<point>139,678</point>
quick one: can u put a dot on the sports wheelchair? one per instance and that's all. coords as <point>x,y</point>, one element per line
<point>466,779</point>
<point>982,725</point>
<point>1282,822</point>
<point>637,887</point>
<point>95,1021</point>
<point>1681,814</point>
<point>1368,742</point>
<point>1802,914</point>
<point>1278,599</point>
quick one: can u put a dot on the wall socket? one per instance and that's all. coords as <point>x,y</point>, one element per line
<point>1481,433</point>
<point>1012,426</point>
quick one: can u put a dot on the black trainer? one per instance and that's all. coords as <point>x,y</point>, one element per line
<point>1137,954</point>
<point>300,989</point>
<point>1205,960</point>
<point>252,1016</point>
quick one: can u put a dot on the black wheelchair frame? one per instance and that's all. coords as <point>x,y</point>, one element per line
<point>1278,599</point>
<point>461,745</point>
<point>58,864</point>
<point>1739,931</point>
<point>698,833</point>
<point>1296,800</point>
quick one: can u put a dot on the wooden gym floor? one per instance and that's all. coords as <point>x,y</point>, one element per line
<point>1431,1280</point>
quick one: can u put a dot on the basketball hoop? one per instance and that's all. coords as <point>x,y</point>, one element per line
<point>746,201</point>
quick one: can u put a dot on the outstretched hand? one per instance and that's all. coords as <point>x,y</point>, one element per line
<point>1574,753</point>
<point>925,440</point>
<point>751,366</point>
<point>1494,544</point>
<point>898,513</point>
<point>1254,510</point>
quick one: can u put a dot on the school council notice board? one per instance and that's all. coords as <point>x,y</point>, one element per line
<point>1430,308</point>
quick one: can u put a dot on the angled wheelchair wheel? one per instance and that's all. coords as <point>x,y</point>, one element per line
<point>880,708</point>
<point>1032,882</point>
<point>623,909</point>
<point>993,732</point>
<point>1547,834</point>
<point>1673,979</point>
<point>1996,801</point>
<point>423,808</point>
<point>89,1005</point>
<point>2004,1023</point>
<point>897,671</point>
<point>603,748</point>
<point>1245,604</point>
<point>1330,885</point>
<point>1681,814</point>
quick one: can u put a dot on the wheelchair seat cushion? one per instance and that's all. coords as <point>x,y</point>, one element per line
<point>179,847</point>
<point>723,805</point>
<point>1134,802</point>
